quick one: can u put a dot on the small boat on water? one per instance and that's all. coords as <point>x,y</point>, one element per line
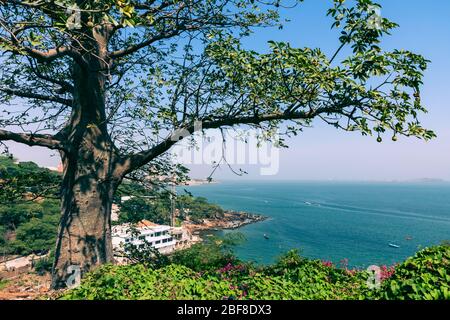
<point>308,203</point>
<point>266,236</point>
<point>392,245</point>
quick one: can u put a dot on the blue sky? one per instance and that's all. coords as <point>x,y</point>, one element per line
<point>322,152</point>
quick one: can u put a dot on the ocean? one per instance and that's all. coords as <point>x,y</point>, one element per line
<point>336,220</point>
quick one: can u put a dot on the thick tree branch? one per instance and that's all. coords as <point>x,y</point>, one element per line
<point>31,95</point>
<point>15,45</point>
<point>56,53</point>
<point>42,140</point>
<point>43,56</point>
<point>137,160</point>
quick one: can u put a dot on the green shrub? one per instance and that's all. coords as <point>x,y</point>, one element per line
<point>138,282</point>
<point>34,223</point>
<point>44,265</point>
<point>36,236</point>
<point>211,254</point>
<point>426,276</point>
<point>3,283</point>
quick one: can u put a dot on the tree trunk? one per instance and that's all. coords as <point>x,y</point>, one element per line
<point>84,236</point>
<point>89,182</point>
<point>90,162</point>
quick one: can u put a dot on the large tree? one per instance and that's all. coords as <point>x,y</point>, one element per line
<point>113,84</point>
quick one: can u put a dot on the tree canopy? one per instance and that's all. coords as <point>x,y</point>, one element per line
<point>169,63</point>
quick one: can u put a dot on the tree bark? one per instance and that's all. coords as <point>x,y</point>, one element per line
<point>84,236</point>
<point>89,179</point>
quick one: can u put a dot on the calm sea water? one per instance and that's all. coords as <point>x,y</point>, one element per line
<point>335,221</point>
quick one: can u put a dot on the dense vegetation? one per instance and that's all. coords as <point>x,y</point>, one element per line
<point>424,276</point>
<point>28,227</point>
<point>156,207</point>
<point>29,212</point>
<point>26,180</point>
<point>217,274</point>
<point>198,208</point>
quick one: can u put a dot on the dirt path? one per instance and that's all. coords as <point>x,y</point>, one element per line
<point>28,286</point>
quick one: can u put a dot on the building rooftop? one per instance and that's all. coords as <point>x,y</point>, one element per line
<point>143,226</point>
<point>146,223</point>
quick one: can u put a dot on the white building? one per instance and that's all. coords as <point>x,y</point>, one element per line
<point>158,236</point>
<point>115,210</point>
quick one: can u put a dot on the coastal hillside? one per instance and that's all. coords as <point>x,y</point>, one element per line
<point>425,276</point>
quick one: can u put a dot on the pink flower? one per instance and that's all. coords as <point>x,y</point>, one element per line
<point>327,263</point>
<point>351,272</point>
<point>386,272</point>
<point>227,268</point>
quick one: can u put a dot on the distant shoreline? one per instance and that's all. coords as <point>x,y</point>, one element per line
<point>230,220</point>
<point>198,182</point>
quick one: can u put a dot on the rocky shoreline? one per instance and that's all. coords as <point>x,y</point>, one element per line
<point>230,220</point>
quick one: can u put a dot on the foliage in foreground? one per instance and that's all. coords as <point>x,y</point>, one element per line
<point>210,255</point>
<point>424,276</point>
